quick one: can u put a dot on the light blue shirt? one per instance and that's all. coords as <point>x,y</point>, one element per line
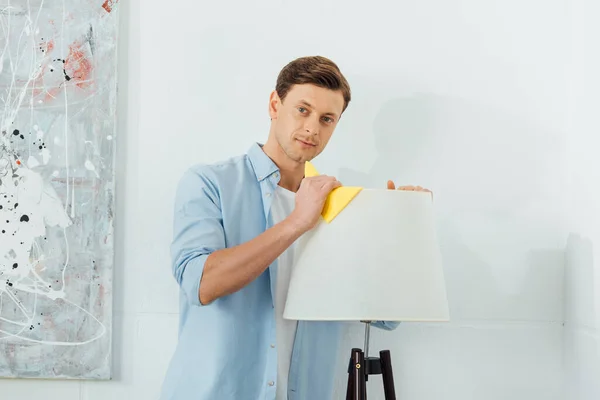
<point>226,349</point>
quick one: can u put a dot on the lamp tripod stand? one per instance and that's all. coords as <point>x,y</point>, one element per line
<point>361,366</point>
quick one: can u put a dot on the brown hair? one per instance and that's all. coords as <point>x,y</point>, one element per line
<point>316,70</point>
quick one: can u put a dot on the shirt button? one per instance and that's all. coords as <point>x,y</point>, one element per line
<point>271,383</point>
<point>272,346</point>
<point>268,194</point>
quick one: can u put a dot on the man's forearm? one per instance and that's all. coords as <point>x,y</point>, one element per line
<point>228,270</point>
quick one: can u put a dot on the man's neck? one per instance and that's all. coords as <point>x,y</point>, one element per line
<point>292,172</point>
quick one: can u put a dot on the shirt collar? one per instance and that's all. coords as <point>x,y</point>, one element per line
<point>262,164</point>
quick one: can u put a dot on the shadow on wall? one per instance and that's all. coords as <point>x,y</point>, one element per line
<point>497,181</point>
<point>581,339</point>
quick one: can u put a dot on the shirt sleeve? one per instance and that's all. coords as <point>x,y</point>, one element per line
<point>197,230</point>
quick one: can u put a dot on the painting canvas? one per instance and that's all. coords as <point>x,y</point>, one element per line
<point>57,148</point>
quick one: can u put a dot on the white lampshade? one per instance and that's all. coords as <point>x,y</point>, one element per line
<point>378,260</point>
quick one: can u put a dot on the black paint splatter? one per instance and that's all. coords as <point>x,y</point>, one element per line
<point>15,265</point>
<point>24,218</point>
<point>91,40</point>
<point>67,77</point>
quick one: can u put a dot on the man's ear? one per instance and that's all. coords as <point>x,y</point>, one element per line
<point>274,104</point>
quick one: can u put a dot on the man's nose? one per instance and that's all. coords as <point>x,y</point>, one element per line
<point>312,127</point>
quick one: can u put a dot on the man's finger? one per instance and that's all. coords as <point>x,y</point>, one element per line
<point>391,185</point>
<point>329,186</point>
<point>325,178</point>
<point>329,181</point>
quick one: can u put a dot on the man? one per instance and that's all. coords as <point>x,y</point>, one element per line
<point>235,226</point>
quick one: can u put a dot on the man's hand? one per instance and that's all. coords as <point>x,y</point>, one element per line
<point>392,186</point>
<point>310,200</point>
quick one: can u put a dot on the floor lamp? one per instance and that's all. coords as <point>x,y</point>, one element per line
<point>377,260</point>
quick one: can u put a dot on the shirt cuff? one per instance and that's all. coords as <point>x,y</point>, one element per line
<point>190,281</point>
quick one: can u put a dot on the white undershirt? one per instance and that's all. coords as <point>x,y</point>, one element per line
<point>282,206</point>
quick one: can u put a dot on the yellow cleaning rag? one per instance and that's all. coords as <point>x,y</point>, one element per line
<point>337,200</point>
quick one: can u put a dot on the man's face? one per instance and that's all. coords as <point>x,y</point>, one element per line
<point>305,120</point>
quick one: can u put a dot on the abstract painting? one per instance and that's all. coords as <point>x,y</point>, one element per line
<point>58,92</point>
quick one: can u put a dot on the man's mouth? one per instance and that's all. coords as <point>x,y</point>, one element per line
<point>306,143</point>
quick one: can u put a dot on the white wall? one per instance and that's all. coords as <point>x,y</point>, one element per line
<point>484,102</point>
<point>582,269</point>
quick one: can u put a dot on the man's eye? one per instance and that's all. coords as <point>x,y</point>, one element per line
<point>328,120</point>
<point>301,109</point>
